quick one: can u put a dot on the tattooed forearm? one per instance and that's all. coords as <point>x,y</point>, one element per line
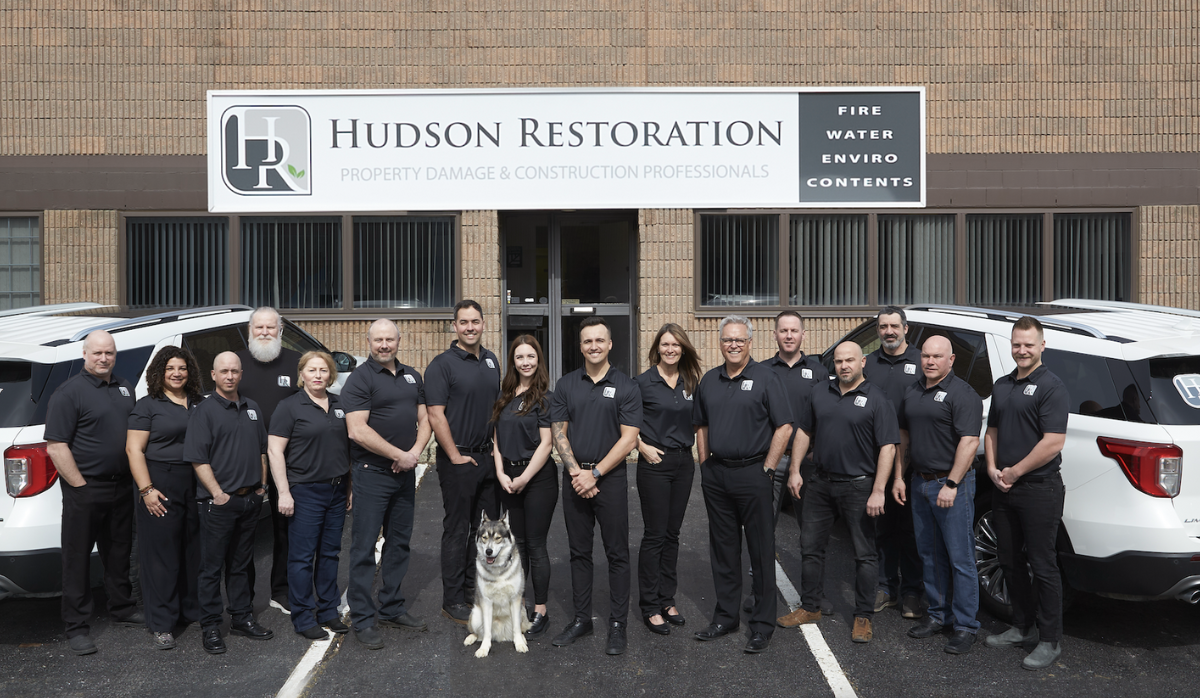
<point>559,432</point>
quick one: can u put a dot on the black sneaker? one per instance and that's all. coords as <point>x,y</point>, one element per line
<point>316,632</point>
<point>960,642</point>
<point>337,626</point>
<point>82,644</point>
<point>404,621</point>
<point>369,637</point>
<point>616,638</point>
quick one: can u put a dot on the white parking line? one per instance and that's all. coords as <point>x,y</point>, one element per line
<point>816,641</point>
<point>298,680</point>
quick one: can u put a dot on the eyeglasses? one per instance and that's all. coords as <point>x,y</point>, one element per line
<point>734,341</point>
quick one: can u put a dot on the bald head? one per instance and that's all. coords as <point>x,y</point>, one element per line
<point>937,359</point>
<point>99,354</point>
<point>383,337</point>
<point>848,362</point>
<point>227,374</point>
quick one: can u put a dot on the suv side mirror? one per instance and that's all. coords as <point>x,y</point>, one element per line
<point>345,362</point>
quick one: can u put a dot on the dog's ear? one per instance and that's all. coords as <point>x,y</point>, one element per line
<point>505,519</point>
<point>483,518</point>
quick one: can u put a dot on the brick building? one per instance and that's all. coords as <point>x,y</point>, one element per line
<point>1063,161</point>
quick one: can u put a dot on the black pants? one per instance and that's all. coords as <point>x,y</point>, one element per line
<point>383,501</point>
<point>611,509</point>
<point>823,501</point>
<point>739,498</point>
<point>1027,519</point>
<point>227,541</point>
<point>664,489</point>
<point>529,515</point>
<point>900,565</point>
<point>467,490</point>
<point>169,549</point>
<point>100,514</point>
<point>279,547</point>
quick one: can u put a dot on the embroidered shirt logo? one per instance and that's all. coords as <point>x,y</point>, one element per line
<point>339,414</point>
<point>747,385</point>
<point>252,415</point>
<point>860,401</point>
<point>610,392</point>
<point>124,391</point>
<point>940,397</point>
<point>1030,389</point>
<point>490,363</point>
<point>410,379</point>
<point>687,395</point>
<point>806,373</point>
<point>910,369</point>
<point>285,381</point>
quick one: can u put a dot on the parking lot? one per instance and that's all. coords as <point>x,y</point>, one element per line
<point>1111,647</point>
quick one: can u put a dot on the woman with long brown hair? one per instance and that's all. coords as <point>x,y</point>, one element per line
<point>528,480</point>
<point>665,470</point>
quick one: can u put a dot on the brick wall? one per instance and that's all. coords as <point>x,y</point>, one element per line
<point>1170,248</point>
<point>79,257</point>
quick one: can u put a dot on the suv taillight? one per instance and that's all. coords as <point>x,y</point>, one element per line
<point>28,470</point>
<point>1155,469</point>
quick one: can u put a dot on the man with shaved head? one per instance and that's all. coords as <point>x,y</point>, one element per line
<point>385,415</point>
<point>86,423</point>
<point>226,443</point>
<point>854,427</point>
<point>940,420</point>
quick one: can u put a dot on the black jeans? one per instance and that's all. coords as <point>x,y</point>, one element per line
<point>383,500</point>
<point>664,489</point>
<point>169,549</point>
<point>739,498</point>
<point>227,541</point>
<point>823,501</point>
<point>611,509</point>
<point>1027,519</point>
<point>467,490</point>
<point>529,515</point>
<point>101,514</point>
<point>900,568</point>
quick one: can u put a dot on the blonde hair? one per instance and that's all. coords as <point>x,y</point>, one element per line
<point>309,356</point>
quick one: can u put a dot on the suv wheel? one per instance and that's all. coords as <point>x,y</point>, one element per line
<point>993,586</point>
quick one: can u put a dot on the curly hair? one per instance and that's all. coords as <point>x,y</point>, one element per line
<point>157,370</point>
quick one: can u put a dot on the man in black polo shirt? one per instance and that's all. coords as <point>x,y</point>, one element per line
<point>940,420</point>
<point>894,366</point>
<point>1027,428</point>
<point>385,415</point>
<point>596,414</point>
<point>227,445</point>
<point>269,376</point>
<point>800,373</point>
<point>743,425</point>
<point>85,433</point>
<point>461,385</point>
<point>854,427</point>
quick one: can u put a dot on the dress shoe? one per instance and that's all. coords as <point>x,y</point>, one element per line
<point>281,603</point>
<point>133,620</point>
<point>164,641</point>
<point>252,630</point>
<point>911,606</point>
<point>798,617</point>
<point>211,639</point>
<point>1013,637</point>
<point>925,629</point>
<point>336,626</point>
<point>758,642</point>
<point>660,629</point>
<point>316,632</point>
<point>673,618</point>
<point>405,621</point>
<point>577,629</point>
<point>458,612</point>
<point>862,630</point>
<point>883,600</point>
<point>81,644</point>
<point>540,622</point>
<point>616,638</point>
<point>369,637</point>
<point>713,631</point>
<point>960,642</point>
<point>1042,656</point>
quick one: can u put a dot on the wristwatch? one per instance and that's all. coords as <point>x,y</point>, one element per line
<point>596,473</point>
<point>951,484</point>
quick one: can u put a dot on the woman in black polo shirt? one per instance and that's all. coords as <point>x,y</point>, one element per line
<point>168,524</point>
<point>309,451</point>
<point>521,448</point>
<point>665,470</point>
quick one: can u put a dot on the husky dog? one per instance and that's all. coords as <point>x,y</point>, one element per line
<point>499,610</point>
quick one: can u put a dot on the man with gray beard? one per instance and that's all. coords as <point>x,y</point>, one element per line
<point>269,376</point>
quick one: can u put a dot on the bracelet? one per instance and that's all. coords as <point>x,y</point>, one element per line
<point>145,490</point>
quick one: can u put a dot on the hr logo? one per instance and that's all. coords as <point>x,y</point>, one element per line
<point>266,150</point>
<point>1188,386</point>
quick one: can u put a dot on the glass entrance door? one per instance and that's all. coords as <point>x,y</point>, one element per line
<point>560,268</point>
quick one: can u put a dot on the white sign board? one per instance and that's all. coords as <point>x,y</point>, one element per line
<point>293,151</point>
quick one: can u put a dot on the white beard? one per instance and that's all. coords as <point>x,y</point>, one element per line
<point>265,350</point>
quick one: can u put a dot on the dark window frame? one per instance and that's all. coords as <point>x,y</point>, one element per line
<point>41,223</point>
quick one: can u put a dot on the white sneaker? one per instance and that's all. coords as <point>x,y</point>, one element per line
<point>282,606</point>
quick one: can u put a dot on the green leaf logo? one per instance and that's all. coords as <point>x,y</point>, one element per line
<point>294,172</point>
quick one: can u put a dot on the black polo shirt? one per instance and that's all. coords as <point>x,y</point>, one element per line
<point>269,383</point>
<point>167,424</point>
<point>596,411</point>
<point>392,400</point>
<point>894,373</point>
<point>318,445</point>
<point>520,435</point>
<point>91,416</point>
<point>848,430</point>
<point>1023,411</point>
<point>229,436</point>
<point>468,387</point>
<point>936,419</point>
<point>799,379</point>
<point>741,413</point>
<point>666,411</point>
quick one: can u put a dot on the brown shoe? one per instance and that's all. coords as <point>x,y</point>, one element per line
<point>862,630</point>
<point>798,617</point>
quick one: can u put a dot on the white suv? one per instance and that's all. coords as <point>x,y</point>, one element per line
<point>43,346</point>
<point>1131,463</point>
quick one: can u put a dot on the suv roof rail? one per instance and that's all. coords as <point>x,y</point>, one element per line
<point>1011,316</point>
<point>124,324</point>
<point>1086,304</point>
<point>50,309</point>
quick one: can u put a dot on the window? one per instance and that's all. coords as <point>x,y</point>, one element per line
<point>292,262</point>
<point>740,260</point>
<point>916,259</point>
<point>828,260</point>
<point>20,263</point>
<point>1091,258</point>
<point>1004,259</point>
<point>176,262</point>
<point>403,262</point>
<point>207,344</point>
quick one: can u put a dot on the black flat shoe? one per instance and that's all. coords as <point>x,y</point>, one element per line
<point>660,629</point>
<point>714,631</point>
<point>673,618</point>
<point>541,621</point>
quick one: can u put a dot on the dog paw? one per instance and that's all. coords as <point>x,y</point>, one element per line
<point>483,650</point>
<point>470,639</point>
<point>521,645</point>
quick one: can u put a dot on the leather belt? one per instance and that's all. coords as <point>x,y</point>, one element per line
<point>935,475</point>
<point>516,463</point>
<point>242,492</point>
<point>839,477</point>
<point>664,449</point>
<point>739,462</point>
<point>485,448</point>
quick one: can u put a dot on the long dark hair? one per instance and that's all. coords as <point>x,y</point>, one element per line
<point>689,361</point>
<point>157,370</point>
<point>536,395</point>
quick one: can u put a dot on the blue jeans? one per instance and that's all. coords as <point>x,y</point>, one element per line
<point>382,500</point>
<point>946,541</point>
<point>314,542</point>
